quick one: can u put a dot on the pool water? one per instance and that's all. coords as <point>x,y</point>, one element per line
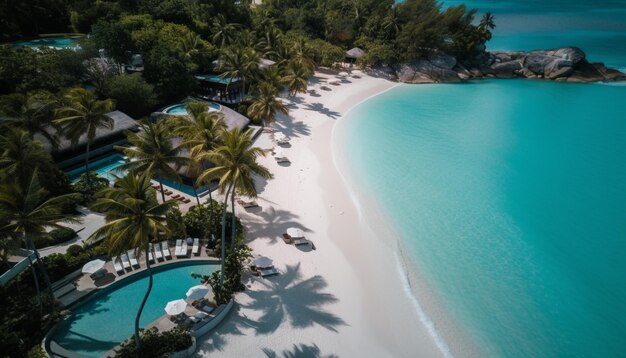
<point>53,42</point>
<point>218,79</point>
<point>180,110</point>
<point>106,167</point>
<point>108,318</point>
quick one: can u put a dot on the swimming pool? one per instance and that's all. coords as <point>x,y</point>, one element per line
<point>106,167</point>
<point>218,79</point>
<point>107,318</point>
<point>58,42</point>
<point>180,110</point>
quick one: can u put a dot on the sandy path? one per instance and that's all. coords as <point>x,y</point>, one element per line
<point>344,298</point>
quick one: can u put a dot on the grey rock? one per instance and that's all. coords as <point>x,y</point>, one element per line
<point>559,68</point>
<point>573,54</point>
<point>537,63</point>
<point>442,60</point>
<point>507,69</point>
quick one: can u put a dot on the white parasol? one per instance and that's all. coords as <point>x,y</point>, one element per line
<point>295,232</point>
<point>175,307</point>
<point>93,266</point>
<point>197,292</point>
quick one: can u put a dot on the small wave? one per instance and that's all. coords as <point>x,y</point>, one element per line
<point>426,321</point>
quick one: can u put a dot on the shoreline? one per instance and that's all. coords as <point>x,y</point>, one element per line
<point>442,328</point>
<point>340,298</point>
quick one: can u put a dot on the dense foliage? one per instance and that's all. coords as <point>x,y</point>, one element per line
<point>155,344</point>
<point>197,223</point>
<point>55,237</point>
<point>88,185</point>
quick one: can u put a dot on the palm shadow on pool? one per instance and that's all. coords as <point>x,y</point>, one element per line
<point>287,298</point>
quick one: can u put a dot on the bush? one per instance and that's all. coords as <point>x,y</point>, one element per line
<point>55,236</point>
<point>155,344</point>
<point>133,94</point>
<point>88,185</point>
<point>198,224</point>
<point>60,265</point>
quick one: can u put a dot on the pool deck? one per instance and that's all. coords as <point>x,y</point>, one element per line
<point>85,284</point>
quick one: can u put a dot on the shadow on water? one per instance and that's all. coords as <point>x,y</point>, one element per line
<point>299,351</point>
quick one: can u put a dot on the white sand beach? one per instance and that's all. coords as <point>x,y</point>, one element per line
<point>345,297</point>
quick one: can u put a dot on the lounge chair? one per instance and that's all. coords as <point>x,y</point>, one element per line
<point>268,272</point>
<point>287,239</point>
<point>186,200</point>
<point>117,265</point>
<point>176,196</point>
<point>181,250</point>
<point>301,241</point>
<point>247,204</point>
<point>157,251</point>
<point>150,255</point>
<point>125,261</point>
<point>166,250</point>
<point>167,192</point>
<point>196,247</point>
<point>132,258</point>
<point>282,160</point>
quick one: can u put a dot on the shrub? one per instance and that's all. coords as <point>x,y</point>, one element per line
<point>198,224</point>
<point>155,344</point>
<point>132,94</point>
<point>88,185</point>
<point>55,236</point>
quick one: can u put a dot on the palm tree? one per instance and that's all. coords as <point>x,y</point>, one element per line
<point>265,104</point>
<point>32,112</point>
<point>83,115</point>
<point>391,23</point>
<point>223,33</point>
<point>296,78</point>
<point>133,219</point>
<point>273,76</point>
<point>302,55</point>
<point>21,154</point>
<point>27,211</point>
<point>487,22</point>
<point>235,163</point>
<point>239,63</point>
<point>201,131</point>
<point>153,150</point>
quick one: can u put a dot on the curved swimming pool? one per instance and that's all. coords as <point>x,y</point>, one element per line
<point>180,110</point>
<point>59,42</point>
<point>107,318</point>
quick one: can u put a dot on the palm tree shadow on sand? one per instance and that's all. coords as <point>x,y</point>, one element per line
<point>286,298</point>
<point>292,298</point>
<point>320,108</point>
<point>267,222</point>
<point>299,351</point>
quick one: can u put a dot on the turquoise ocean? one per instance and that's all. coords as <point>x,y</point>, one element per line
<point>509,196</point>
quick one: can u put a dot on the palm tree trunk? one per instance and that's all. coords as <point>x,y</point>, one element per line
<point>162,191</point>
<point>223,245</point>
<point>42,266</point>
<point>143,302</point>
<point>87,157</point>
<point>233,230</point>
<point>36,280</point>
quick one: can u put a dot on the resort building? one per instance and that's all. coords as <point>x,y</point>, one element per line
<point>67,155</point>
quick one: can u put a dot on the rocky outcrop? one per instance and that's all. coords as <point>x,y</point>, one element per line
<point>567,64</point>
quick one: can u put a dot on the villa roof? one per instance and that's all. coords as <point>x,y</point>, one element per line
<point>355,52</point>
<point>121,122</point>
<point>234,119</point>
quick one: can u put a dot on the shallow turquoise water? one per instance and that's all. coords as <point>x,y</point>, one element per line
<point>510,195</point>
<point>106,167</point>
<point>108,319</point>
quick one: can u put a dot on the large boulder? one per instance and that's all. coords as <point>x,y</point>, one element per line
<point>558,68</point>
<point>442,60</point>
<point>408,74</point>
<point>573,54</point>
<point>537,63</point>
<point>508,69</point>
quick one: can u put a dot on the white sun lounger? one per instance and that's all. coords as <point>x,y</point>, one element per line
<point>181,248</point>
<point>117,265</point>
<point>166,250</point>
<point>268,272</point>
<point>150,255</point>
<point>300,241</point>
<point>196,247</point>
<point>133,258</point>
<point>157,251</point>
<point>125,261</point>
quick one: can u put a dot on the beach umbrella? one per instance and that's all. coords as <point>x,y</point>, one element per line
<point>343,74</point>
<point>334,82</point>
<point>93,266</point>
<point>197,292</point>
<point>175,307</point>
<point>263,261</point>
<point>295,232</point>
